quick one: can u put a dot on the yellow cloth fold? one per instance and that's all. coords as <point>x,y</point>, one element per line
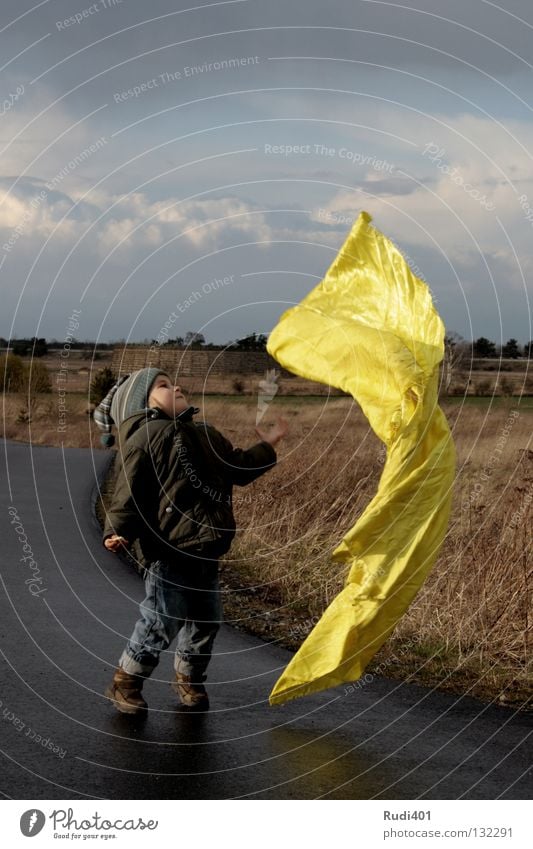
<point>370,328</point>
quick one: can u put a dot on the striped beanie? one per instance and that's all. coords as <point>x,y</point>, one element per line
<point>127,396</point>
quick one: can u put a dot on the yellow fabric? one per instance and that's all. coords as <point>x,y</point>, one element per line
<point>370,328</point>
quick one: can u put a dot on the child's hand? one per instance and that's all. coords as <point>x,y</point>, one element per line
<point>276,432</point>
<point>114,543</point>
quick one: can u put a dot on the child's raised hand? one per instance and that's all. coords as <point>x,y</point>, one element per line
<point>276,432</point>
<point>114,542</point>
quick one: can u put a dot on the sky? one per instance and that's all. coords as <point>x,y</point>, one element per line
<point>206,161</point>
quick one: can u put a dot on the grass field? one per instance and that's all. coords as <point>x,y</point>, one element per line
<point>470,627</point>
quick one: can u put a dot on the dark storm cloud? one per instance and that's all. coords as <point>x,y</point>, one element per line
<point>140,35</point>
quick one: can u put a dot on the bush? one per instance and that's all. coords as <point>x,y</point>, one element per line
<point>100,385</point>
<point>506,386</point>
<point>484,387</point>
<point>458,389</point>
<point>36,378</point>
<point>16,376</point>
<point>12,373</point>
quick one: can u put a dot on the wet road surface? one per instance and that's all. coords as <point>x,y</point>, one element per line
<point>67,607</point>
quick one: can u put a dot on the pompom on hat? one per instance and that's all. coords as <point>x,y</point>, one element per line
<point>127,396</point>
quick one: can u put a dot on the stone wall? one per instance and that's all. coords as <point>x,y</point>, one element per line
<point>189,363</point>
<point>227,372</point>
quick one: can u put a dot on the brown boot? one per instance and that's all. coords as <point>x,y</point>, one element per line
<point>125,692</point>
<point>190,694</point>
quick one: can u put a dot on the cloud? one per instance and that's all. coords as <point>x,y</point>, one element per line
<point>126,223</point>
<point>341,99</point>
<point>206,224</point>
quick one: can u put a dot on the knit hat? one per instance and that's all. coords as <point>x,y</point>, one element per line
<point>127,396</point>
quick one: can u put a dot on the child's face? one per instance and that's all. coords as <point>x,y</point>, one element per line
<point>167,397</point>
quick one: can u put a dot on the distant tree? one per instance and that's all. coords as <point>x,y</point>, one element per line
<point>253,342</point>
<point>484,347</point>
<point>33,347</point>
<point>20,347</point>
<point>39,347</point>
<point>194,340</point>
<point>511,349</point>
<point>528,350</point>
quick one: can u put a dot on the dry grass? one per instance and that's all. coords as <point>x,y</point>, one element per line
<point>44,426</point>
<point>469,629</point>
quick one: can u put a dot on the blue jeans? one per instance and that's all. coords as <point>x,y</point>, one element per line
<point>183,600</point>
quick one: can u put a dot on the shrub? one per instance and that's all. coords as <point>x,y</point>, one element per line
<point>458,389</point>
<point>506,386</point>
<point>36,378</point>
<point>484,387</point>
<point>16,376</point>
<point>11,373</point>
<point>100,385</point>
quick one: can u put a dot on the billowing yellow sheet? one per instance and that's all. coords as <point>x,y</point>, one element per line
<point>370,328</point>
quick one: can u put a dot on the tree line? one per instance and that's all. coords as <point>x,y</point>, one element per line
<point>39,347</point>
<point>481,348</point>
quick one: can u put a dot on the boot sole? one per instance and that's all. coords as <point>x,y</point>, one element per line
<point>123,708</point>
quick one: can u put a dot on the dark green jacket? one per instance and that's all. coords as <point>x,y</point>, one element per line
<point>174,484</point>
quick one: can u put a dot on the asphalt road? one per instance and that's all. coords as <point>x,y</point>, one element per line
<point>66,611</point>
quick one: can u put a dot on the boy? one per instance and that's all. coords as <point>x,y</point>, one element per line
<point>173,497</point>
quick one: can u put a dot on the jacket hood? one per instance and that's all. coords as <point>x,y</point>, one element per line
<point>130,425</point>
